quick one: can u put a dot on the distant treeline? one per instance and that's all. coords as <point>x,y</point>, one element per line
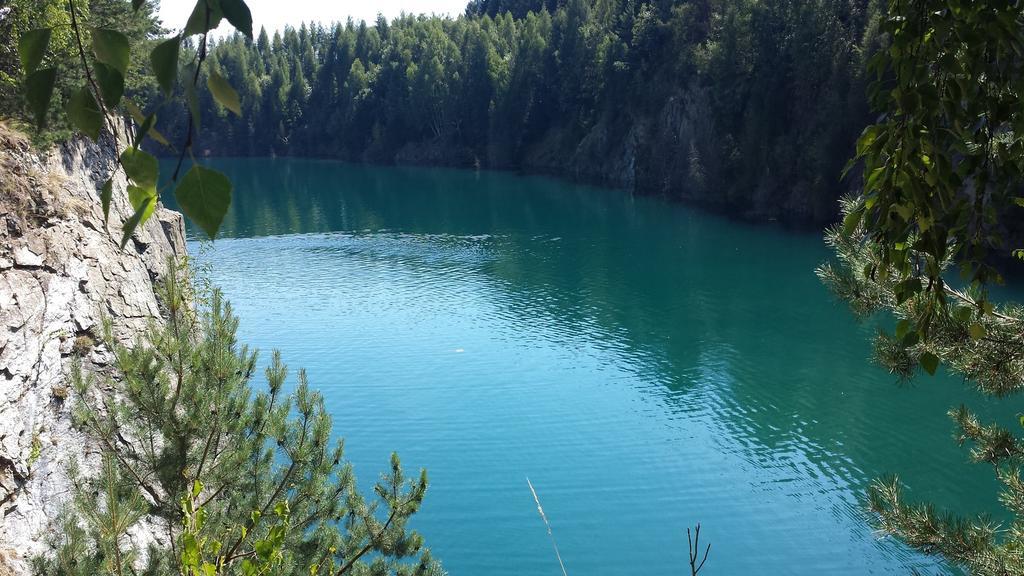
<point>749,106</point>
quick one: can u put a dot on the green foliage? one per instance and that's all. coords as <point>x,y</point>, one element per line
<point>84,113</point>
<point>164,59</point>
<point>205,16</point>
<point>238,15</point>
<point>971,336</point>
<point>106,195</point>
<point>32,47</point>
<point>146,126</point>
<point>941,172</point>
<point>34,19</point>
<point>62,54</point>
<point>94,539</point>
<point>111,48</point>
<point>743,105</point>
<point>144,205</point>
<point>142,199</point>
<point>243,479</point>
<point>38,92</point>
<point>204,196</point>
<point>223,93</point>
<point>110,83</point>
<point>943,165</point>
<point>113,69</point>
<point>975,545</point>
<point>36,451</point>
<point>141,167</point>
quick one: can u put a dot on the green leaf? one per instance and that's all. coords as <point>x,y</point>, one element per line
<point>281,509</point>
<point>224,93</point>
<point>156,135</point>
<point>143,129</point>
<point>135,112</point>
<point>190,550</point>
<point>977,331</point>
<point>872,179</point>
<point>136,4</point>
<point>110,82</point>
<point>846,169</point>
<point>164,59</point>
<point>143,199</point>
<point>867,138</point>
<point>84,113</point>
<point>903,327</point>
<point>906,289</point>
<point>142,119</point>
<point>264,549</point>
<point>906,212</point>
<point>238,15</point>
<point>106,193</point>
<point>32,47</point>
<point>205,17</point>
<point>142,212</point>
<point>963,313</point>
<point>204,196</point>
<point>111,48</point>
<point>39,91</point>
<point>930,362</point>
<point>141,167</point>
<point>852,220</point>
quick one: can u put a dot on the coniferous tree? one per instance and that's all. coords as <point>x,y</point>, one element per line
<point>239,479</point>
<point>942,171</point>
<point>777,89</point>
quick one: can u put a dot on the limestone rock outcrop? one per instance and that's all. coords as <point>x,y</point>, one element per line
<point>61,272</point>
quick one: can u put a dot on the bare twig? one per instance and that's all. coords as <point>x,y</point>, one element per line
<point>694,544</point>
<point>551,535</point>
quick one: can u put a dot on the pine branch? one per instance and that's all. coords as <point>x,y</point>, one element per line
<point>228,458</point>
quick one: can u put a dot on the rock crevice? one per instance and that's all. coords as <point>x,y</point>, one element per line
<point>61,272</point>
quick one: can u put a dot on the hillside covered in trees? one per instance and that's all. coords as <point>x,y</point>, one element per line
<point>749,107</point>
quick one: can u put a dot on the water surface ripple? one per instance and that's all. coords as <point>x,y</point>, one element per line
<point>648,366</point>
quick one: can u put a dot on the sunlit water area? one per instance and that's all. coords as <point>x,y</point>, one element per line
<point>647,365</point>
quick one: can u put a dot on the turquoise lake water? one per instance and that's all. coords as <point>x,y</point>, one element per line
<point>647,365</point>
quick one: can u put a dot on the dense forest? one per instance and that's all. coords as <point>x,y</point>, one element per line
<point>750,107</point>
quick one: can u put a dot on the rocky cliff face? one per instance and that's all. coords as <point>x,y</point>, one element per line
<point>61,271</point>
<point>673,146</point>
<point>675,149</point>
